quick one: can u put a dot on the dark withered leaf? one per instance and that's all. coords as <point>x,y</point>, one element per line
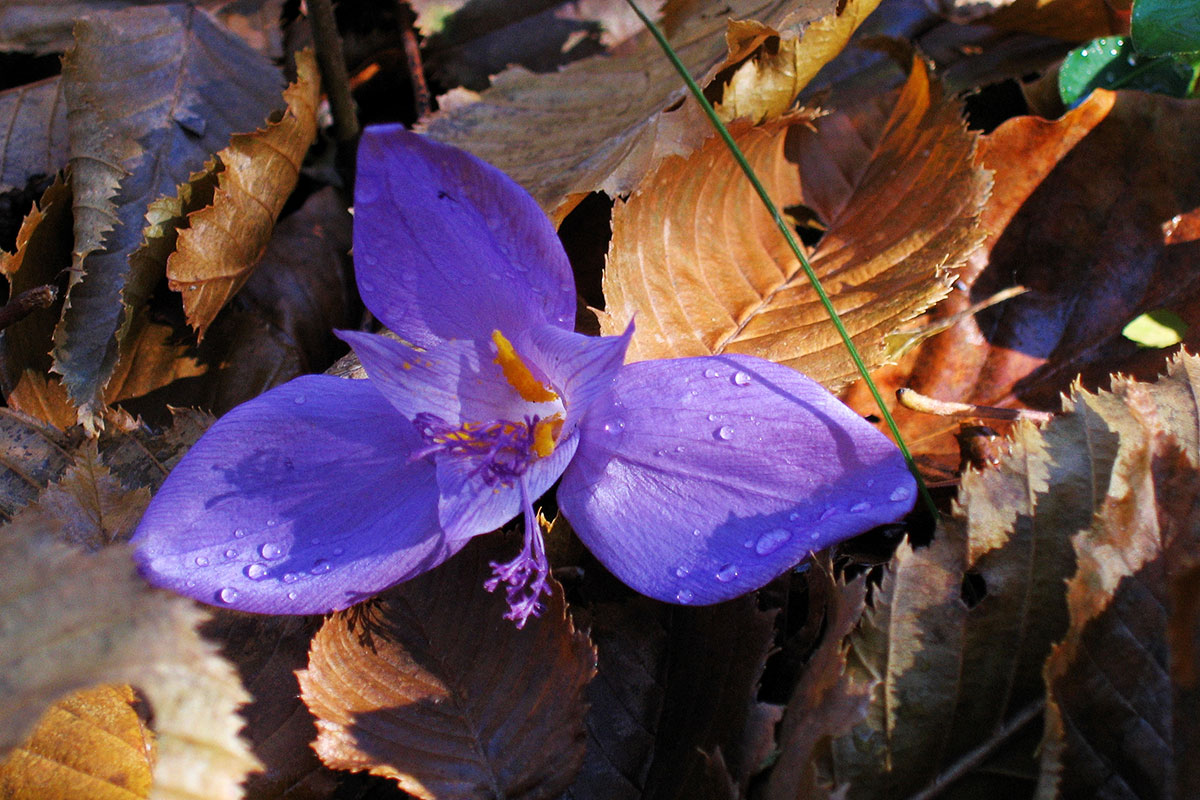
<point>428,684</point>
<point>192,85</point>
<point>34,120</point>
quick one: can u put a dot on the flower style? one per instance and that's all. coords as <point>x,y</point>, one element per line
<point>693,480</point>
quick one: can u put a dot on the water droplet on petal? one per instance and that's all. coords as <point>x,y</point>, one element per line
<point>291,595</point>
<point>711,373</point>
<point>191,584</point>
<point>231,553</point>
<point>319,566</point>
<point>727,573</point>
<point>827,513</point>
<point>290,577</point>
<point>201,561</point>
<point>337,551</point>
<point>256,572</point>
<point>858,508</point>
<point>725,433</point>
<point>660,453</point>
<point>299,399</point>
<point>270,550</point>
<point>741,378</point>
<point>684,596</point>
<point>679,449</point>
<point>712,417</point>
<point>228,594</point>
<point>899,493</point>
<point>771,541</point>
<point>695,532</point>
<point>681,572</point>
<point>270,523</point>
<point>240,533</point>
<point>795,515</point>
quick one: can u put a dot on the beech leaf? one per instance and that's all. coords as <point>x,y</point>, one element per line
<point>602,122</point>
<point>700,264</point>
<point>193,85</point>
<point>430,686</point>
<point>221,244</point>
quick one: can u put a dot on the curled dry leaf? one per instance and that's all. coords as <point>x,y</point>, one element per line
<point>1091,195</point>
<point>91,745</point>
<point>34,120</point>
<point>602,122</point>
<point>700,264</point>
<point>74,620</point>
<point>221,243</point>
<point>430,686</point>
<point>193,85</point>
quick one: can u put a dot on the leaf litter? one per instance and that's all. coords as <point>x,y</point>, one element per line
<point>1040,641</point>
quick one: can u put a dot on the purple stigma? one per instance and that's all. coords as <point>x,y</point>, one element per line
<point>528,574</point>
<point>503,449</point>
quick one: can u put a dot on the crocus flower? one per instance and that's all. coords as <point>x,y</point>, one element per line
<point>693,480</point>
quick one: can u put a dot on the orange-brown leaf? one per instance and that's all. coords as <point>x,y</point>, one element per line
<point>699,263</point>
<point>223,242</point>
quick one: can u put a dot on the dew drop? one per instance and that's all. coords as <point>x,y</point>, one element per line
<point>270,550</point>
<point>256,572</point>
<point>727,573</point>
<point>299,399</point>
<point>201,561</point>
<point>695,532</point>
<point>899,493</point>
<point>684,596</point>
<point>771,541</point>
<point>291,595</point>
<point>712,417</point>
<point>711,373</point>
<point>660,453</point>
<point>679,449</point>
<point>240,533</point>
<point>228,594</point>
<point>231,553</point>
<point>725,433</point>
<point>681,572</point>
<point>795,515</point>
<point>191,584</point>
<point>827,513</point>
<point>337,551</point>
<point>858,508</point>
<point>290,577</point>
<point>270,523</point>
<point>741,379</point>
<point>319,566</point>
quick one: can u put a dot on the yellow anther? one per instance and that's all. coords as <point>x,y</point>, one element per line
<point>518,374</point>
<point>545,434</point>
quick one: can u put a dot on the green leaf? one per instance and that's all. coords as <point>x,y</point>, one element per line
<point>1161,328</point>
<point>1112,63</point>
<point>1164,27</point>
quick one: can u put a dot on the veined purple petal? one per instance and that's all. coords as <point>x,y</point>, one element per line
<point>700,479</point>
<point>579,367</point>
<point>448,247</point>
<point>300,501</point>
<point>456,380</point>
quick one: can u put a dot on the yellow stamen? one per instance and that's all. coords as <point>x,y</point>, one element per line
<point>518,374</point>
<point>545,434</point>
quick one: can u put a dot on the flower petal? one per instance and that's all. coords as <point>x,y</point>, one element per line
<point>448,247</point>
<point>300,501</point>
<point>700,479</point>
<point>579,367</point>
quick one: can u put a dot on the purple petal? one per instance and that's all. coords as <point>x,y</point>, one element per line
<point>579,367</point>
<point>448,247</point>
<point>700,479</point>
<point>300,501</point>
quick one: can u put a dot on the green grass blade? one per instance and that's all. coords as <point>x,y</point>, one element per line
<point>698,94</point>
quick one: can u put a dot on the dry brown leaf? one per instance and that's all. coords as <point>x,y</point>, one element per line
<point>601,123</point>
<point>1073,20</point>
<point>700,265</point>
<point>767,83</point>
<point>223,242</point>
<point>430,686</point>
<point>74,620</point>
<point>91,745</point>
<point>1091,197</point>
<point>34,454</point>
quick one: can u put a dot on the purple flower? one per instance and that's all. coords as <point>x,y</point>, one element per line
<point>693,480</point>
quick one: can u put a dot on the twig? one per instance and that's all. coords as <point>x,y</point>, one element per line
<point>333,69</point>
<point>915,401</point>
<point>977,756</point>
<point>412,56</point>
<point>26,303</point>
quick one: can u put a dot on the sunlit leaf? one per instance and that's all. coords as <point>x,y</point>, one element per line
<point>1161,328</point>
<point>430,686</point>
<point>192,85</point>
<point>699,263</point>
<point>222,243</point>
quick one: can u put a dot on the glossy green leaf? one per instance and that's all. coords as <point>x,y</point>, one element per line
<point>1112,63</point>
<point>1163,27</point>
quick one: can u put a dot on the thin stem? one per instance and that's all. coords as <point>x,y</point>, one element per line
<point>334,77</point>
<point>698,94</point>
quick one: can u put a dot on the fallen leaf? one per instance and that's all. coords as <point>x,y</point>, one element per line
<point>400,689</point>
<point>603,122</point>
<point>1073,20</point>
<point>699,263</point>
<point>91,745</point>
<point>74,620</point>
<point>178,66</point>
<point>34,454</point>
<point>223,242</point>
<point>34,120</point>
